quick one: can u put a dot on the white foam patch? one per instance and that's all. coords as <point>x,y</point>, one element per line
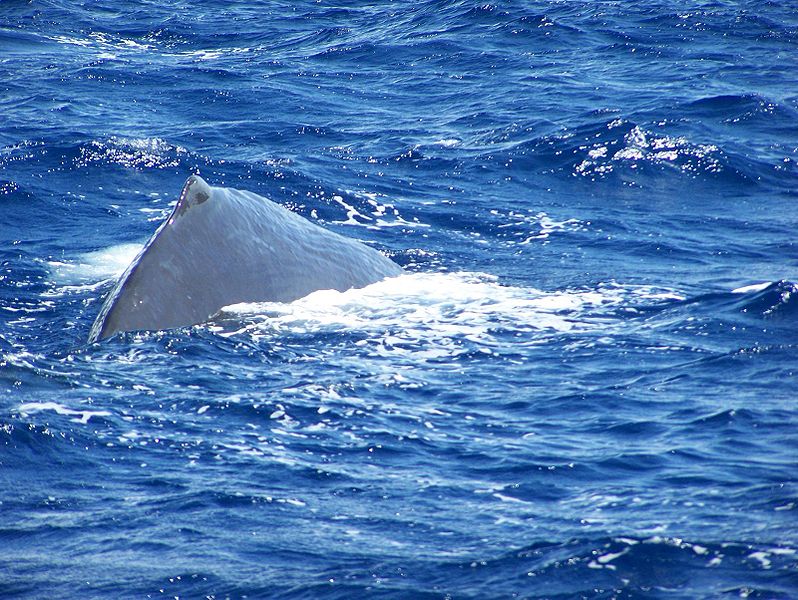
<point>762,557</point>
<point>639,145</point>
<point>108,45</point>
<point>82,416</point>
<point>435,312</point>
<point>446,143</point>
<point>526,228</point>
<point>382,214</point>
<point>94,267</point>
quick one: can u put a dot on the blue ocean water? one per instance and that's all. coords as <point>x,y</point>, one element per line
<point>584,386</point>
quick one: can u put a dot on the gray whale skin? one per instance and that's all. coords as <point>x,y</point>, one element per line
<point>221,246</point>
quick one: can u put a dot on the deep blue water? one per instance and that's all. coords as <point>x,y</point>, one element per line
<point>584,387</point>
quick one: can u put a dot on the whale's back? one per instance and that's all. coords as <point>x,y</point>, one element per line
<point>223,246</point>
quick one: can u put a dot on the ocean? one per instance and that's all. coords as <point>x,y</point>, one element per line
<point>583,385</point>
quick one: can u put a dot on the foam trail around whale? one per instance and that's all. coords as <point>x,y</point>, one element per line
<point>223,246</point>
<point>93,267</point>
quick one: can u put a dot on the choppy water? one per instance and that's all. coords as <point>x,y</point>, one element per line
<point>584,386</point>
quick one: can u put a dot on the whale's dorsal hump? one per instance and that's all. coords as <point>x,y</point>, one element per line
<point>195,192</point>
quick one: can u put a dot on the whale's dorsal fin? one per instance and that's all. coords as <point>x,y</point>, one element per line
<point>195,192</point>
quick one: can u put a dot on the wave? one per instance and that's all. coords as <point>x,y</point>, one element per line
<point>638,148</point>
<point>614,149</point>
<point>632,565</point>
<point>618,148</point>
<point>777,300</point>
<point>616,567</point>
<point>75,151</point>
<point>130,153</point>
<point>279,179</point>
<point>738,107</point>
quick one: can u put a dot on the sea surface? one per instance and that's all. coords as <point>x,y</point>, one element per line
<point>584,386</point>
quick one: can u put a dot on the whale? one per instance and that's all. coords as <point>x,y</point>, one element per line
<point>222,246</point>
